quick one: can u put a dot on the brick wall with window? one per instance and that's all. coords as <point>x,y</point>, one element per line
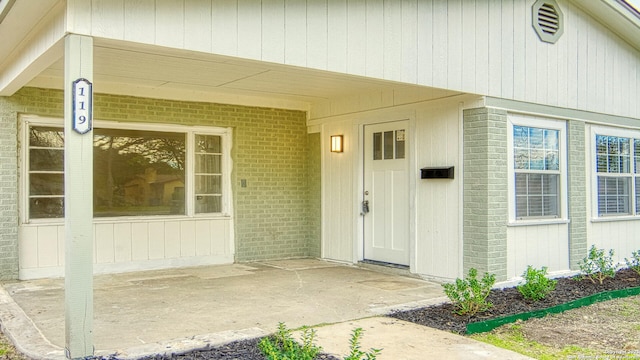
<point>270,157</point>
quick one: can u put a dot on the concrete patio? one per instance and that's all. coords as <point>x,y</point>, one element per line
<point>142,313</point>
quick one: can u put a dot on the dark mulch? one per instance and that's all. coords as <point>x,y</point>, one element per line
<point>509,301</point>
<point>237,350</point>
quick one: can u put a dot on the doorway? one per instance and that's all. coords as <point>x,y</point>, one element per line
<point>385,198</point>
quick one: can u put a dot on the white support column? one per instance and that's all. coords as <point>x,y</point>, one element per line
<point>78,190</point>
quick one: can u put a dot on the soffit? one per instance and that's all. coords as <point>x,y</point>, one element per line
<point>120,65</point>
<point>20,20</point>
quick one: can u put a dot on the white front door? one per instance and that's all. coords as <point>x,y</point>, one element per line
<point>386,193</point>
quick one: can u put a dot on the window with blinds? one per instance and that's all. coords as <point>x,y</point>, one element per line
<point>536,162</point>
<point>617,162</point>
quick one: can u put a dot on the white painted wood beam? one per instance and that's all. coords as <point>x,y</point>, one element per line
<point>78,183</point>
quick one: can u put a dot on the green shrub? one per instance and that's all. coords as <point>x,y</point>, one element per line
<point>634,262</point>
<point>537,285</point>
<point>469,296</point>
<point>356,353</point>
<point>597,265</point>
<point>282,346</point>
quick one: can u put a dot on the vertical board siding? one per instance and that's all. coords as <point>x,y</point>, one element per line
<point>478,46</point>
<point>197,20</point>
<point>224,23</point>
<point>621,236</point>
<point>273,29</point>
<point>140,20</point>
<point>338,221</point>
<point>438,218</point>
<point>538,246</point>
<point>124,243</point>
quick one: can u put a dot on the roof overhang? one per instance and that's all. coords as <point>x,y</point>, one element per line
<point>616,15</point>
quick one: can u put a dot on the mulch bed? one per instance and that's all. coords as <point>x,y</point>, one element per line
<point>509,301</point>
<point>237,350</point>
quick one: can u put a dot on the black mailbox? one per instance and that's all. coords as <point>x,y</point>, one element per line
<point>437,172</point>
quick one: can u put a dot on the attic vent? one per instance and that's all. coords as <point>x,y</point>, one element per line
<point>547,20</point>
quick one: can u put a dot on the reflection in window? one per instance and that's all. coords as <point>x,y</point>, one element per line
<point>613,168</point>
<point>135,172</point>
<point>46,172</point>
<point>537,171</point>
<point>138,172</point>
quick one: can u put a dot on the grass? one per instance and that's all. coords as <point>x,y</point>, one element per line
<point>512,338</point>
<point>7,351</point>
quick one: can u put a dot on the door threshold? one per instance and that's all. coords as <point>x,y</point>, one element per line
<point>387,268</point>
<point>385,264</point>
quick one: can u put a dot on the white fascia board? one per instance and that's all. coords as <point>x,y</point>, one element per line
<point>616,16</point>
<point>23,68</point>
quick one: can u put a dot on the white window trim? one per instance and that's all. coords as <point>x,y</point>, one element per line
<point>190,131</point>
<point>545,123</point>
<point>619,132</point>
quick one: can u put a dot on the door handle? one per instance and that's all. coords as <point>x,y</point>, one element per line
<point>365,207</point>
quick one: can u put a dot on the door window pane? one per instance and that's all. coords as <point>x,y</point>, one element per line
<point>400,141</point>
<point>388,145</point>
<point>377,146</point>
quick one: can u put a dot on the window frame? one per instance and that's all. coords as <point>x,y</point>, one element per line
<point>631,134</point>
<point>26,121</point>
<point>539,123</point>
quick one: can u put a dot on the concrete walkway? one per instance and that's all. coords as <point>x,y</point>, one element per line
<point>165,311</point>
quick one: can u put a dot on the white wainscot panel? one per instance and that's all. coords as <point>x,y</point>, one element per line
<point>538,246</point>
<point>121,245</point>
<point>621,236</point>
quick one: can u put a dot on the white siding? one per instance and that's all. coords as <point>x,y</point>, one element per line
<point>481,47</point>
<point>130,245</point>
<point>435,210</point>
<point>621,236</point>
<point>339,217</point>
<point>538,246</point>
<point>438,236</point>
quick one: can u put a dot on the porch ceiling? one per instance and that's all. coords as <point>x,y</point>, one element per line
<point>149,71</point>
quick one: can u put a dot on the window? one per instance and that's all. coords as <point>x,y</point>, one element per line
<point>138,170</point>
<point>389,145</point>
<point>537,175</point>
<point>617,165</point>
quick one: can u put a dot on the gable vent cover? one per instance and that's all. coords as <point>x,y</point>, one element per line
<point>547,20</point>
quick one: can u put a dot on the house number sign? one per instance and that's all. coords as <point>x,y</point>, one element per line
<point>82,109</point>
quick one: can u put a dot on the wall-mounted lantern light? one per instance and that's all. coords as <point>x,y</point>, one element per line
<point>336,143</point>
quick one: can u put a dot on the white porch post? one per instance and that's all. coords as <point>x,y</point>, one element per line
<point>78,191</point>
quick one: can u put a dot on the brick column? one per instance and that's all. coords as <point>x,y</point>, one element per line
<point>485,191</point>
<point>8,191</point>
<point>577,188</point>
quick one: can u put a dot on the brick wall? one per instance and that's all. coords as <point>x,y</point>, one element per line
<point>577,193</point>
<point>8,192</point>
<point>271,151</point>
<point>485,191</point>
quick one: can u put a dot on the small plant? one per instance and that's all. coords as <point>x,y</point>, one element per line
<point>634,262</point>
<point>597,265</point>
<point>356,353</point>
<point>537,285</point>
<point>469,296</point>
<point>282,346</point>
